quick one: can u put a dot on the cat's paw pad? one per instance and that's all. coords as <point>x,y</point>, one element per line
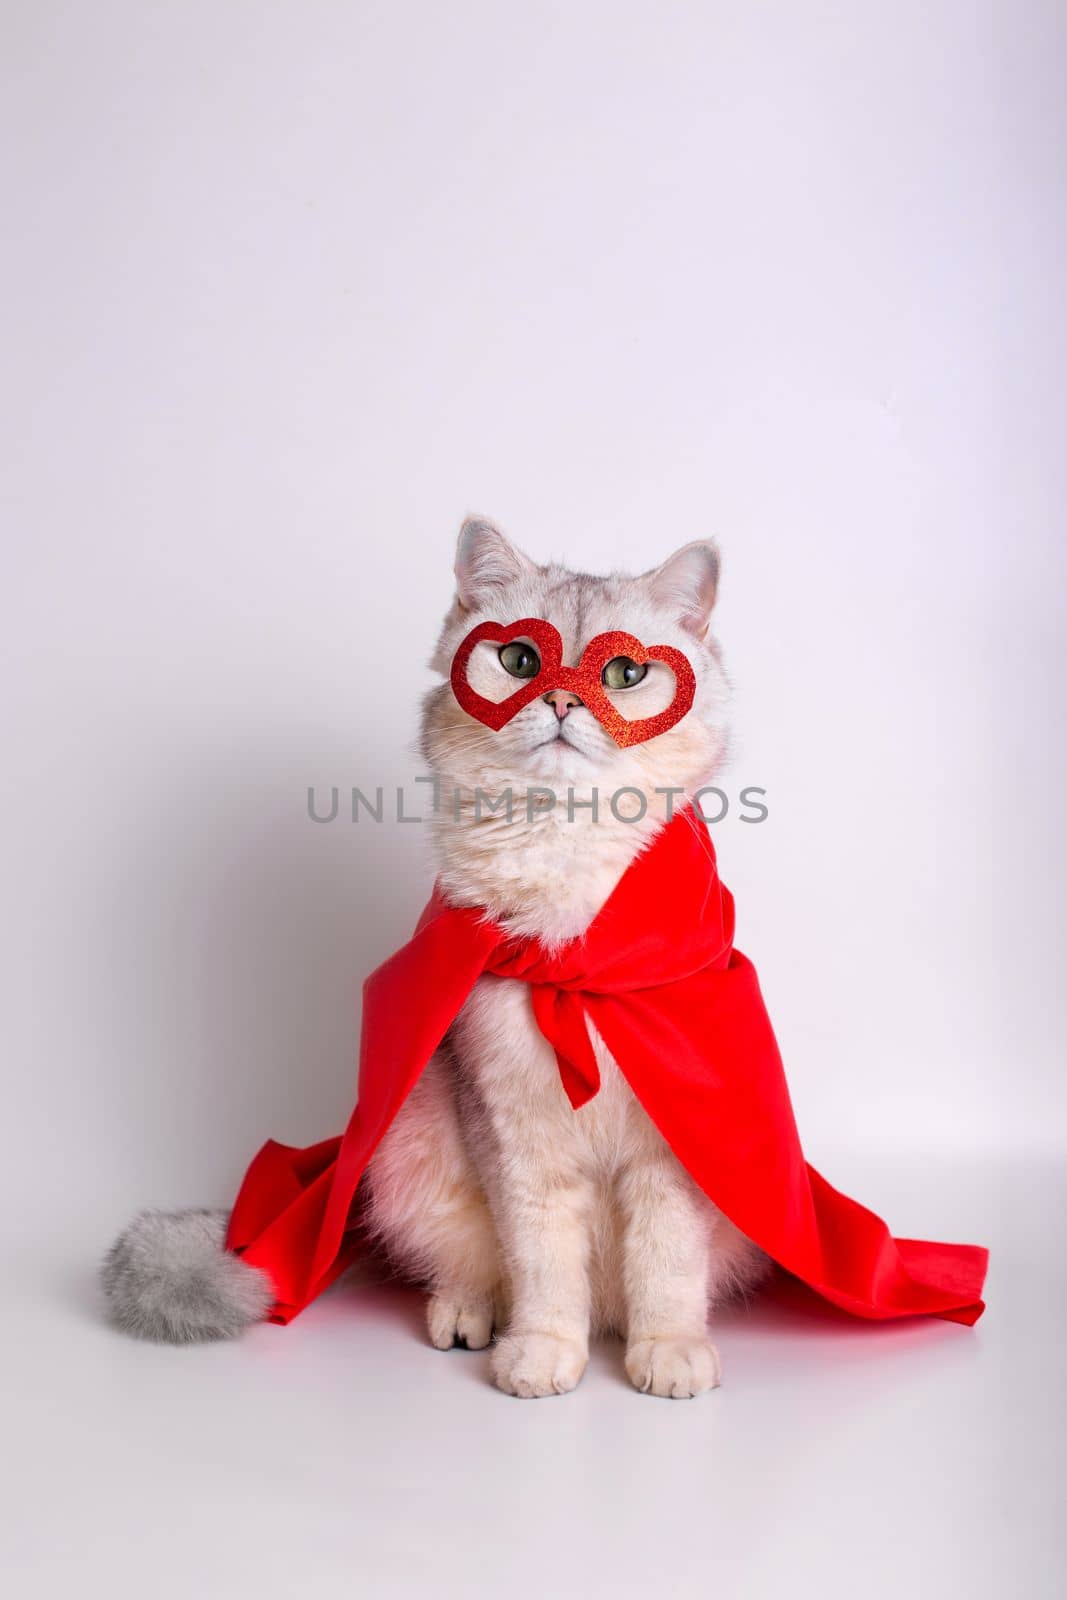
<point>532,1364</point>
<point>460,1319</point>
<point>674,1368</point>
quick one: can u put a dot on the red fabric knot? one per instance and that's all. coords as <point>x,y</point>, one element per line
<point>561,1017</point>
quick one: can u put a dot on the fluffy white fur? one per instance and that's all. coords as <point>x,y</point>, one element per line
<point>519,1212</point>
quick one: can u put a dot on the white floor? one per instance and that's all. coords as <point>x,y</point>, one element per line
<point>343,1456</point>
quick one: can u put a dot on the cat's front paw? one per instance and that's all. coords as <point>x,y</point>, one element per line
<point>674,1368</point>
<point>532,1364</point>
<point>463,1319</point>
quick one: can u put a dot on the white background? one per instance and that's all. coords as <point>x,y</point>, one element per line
<point>288,288</point>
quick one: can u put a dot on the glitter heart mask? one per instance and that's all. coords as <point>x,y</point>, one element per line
<point>584,680</point>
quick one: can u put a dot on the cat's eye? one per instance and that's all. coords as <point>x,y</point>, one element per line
<point>521,660</point>
<point>622,673</point>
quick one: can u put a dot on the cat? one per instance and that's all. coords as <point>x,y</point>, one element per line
<point>523,1217</point>
<point>517,1211</point>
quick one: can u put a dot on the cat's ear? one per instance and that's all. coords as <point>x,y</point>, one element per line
<point>486,562</point>
<point>687,584</point>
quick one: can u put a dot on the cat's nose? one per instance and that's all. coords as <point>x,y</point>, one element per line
<point>561,701</point>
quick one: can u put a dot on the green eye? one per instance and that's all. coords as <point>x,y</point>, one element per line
<point>622,673</point>
<point>521,660</point>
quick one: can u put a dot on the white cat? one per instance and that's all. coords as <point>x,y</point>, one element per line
<point>521,1214</point>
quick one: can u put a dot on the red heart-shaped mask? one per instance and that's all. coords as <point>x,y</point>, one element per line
<point>584,680</point>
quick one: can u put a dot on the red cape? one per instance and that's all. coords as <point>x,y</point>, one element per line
<point>681,1012</point>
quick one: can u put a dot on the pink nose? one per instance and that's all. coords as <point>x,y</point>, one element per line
<point>561,700</point>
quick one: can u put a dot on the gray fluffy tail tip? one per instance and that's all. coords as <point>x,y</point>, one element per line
<point>169,1277</point>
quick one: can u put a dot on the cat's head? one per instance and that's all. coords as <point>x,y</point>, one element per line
<point>553,742</point>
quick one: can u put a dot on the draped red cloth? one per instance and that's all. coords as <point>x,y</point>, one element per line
<point>681,1013</point>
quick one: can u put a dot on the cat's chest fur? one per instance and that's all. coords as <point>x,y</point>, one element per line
<point>514,1105</point>
<point>548,883</point>
<point>544,878</point>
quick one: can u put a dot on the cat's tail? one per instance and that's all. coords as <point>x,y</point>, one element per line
<point>170,1277</point>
